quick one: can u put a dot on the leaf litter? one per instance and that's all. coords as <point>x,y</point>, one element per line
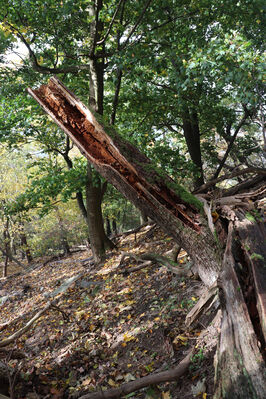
<point>108,328</point>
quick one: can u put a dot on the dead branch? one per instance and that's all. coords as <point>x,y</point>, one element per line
<point>156,378</point>
<point>20,332</point>
<point>137,268</point>
<point>159,259</point>
<point>211,183</point>
<point>207,210</point>
<point>205,303</point>
<point>13,259</point>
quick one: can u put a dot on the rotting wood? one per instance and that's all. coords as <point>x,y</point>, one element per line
<point>132,173</point>
<point>240,363</point>
<point>208,299</point>
<point>86,132</point>
<point>238,354</point>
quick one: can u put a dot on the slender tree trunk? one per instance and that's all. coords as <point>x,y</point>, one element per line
<point>98,240</point>
<point>114,226</point>
<point>108,227</point>
<point>7,246</point>
<point>63,233</point>
<point>192,137</point>
<point>25,246</point>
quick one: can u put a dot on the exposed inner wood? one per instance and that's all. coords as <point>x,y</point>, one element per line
<point>77,121</point>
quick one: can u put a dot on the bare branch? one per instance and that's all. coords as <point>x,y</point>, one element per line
<point>27,326</point>
<point>111,24</point>
<point>211,183</point>
<point>137,23</point>
<point>230,145</point>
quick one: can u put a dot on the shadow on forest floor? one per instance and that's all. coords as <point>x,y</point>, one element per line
<point>116,328</point>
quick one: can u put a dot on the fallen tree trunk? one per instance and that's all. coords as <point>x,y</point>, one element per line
<point>133,174</point>
<point>240,371</point>
<point>240,362</point>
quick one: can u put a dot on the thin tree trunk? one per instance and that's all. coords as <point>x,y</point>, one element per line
<point>192,137</point>
<point>25,246</point>
<point>63,233</point>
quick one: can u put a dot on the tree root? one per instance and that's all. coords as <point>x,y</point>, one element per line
<point>156,378</point>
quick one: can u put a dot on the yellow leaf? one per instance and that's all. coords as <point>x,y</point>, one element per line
<point>128,338</point>
<point>87,381</point>
<point>157,319</point>
<point>193,298</point>
<point>204,395</point>
<point>112,383</point>
<point>166,395</point>
<point>179,338</point>
<point>129,302</point>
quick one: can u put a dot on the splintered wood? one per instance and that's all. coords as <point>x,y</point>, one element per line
<point>114,158</point>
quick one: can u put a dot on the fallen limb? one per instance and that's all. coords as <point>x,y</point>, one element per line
<point>137,268</point>
<point>159,259</point>
<point>20,332</point>
<point>13,259</point>
<point>211,183</point>
<point>156,378</point>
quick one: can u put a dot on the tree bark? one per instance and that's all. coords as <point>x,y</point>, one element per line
<point>240,363</point>
<point>98,240</point>
<point>133,174</point>
<point>24,243</point>
<point>192,137</point>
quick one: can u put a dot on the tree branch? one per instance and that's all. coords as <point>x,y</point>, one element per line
<point>213,182</point>
<point>156,378</point>
<point>137,23</point>
<point>111,24</point>
<point>27,326</point>
<point>230,145</point>
<point>12,258</point>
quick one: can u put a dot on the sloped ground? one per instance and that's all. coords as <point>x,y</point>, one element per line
<point>108,327</point>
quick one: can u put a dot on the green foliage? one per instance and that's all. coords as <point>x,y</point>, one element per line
<point>202,57</point>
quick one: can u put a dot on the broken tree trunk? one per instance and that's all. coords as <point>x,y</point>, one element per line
<point>240,362</point>
<point>133,174</point>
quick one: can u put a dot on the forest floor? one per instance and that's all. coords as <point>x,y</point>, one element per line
<point>107,328</point>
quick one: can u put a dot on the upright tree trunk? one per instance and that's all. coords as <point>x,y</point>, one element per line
<point>192,137</point>
<point>7,246</point>
<point>98,240</point>
<point>24,244</point>
<point>63,233</point>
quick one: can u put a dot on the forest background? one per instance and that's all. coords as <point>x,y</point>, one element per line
<point>180,80</point>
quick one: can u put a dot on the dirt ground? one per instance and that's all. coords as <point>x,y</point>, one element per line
<point>106,327</point>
